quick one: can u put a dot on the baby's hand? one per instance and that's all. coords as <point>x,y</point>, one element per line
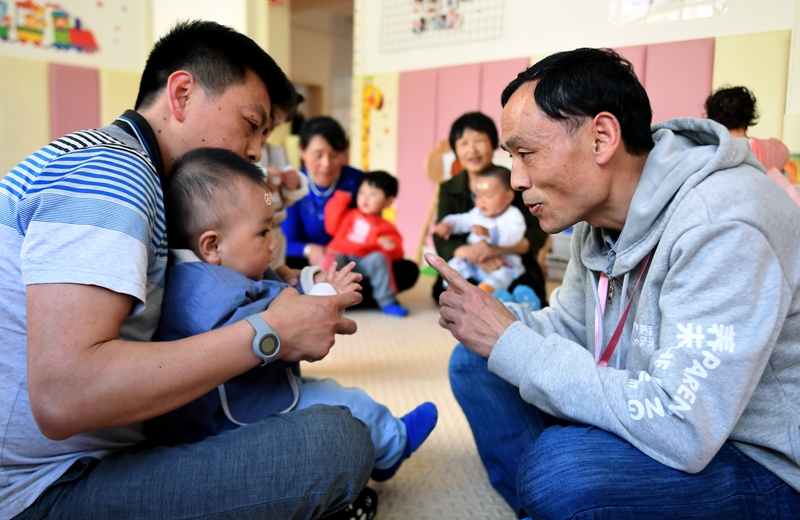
<point>343,280</point>
<point>275,176</point>
<point>443,229</point>
<point>480,230</point>
<point>291,180</point>
<point>386,243</point>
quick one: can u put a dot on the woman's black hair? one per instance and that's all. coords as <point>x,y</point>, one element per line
<point>574,85</point>
<point>327,128</point>
<point>477,121</point>
<point>733,107</point>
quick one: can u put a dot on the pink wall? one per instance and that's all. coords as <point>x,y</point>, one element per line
<point>637,55</point>
<point>678,77</point>
<point>458,91</point>
<point>74,99</point>
<point>416,135</point>
<point>495,76</point>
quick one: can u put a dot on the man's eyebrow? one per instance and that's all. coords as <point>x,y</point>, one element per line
<point>511,143</point>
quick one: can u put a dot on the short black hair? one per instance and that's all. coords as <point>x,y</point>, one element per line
<point>501,173</point>
<point>217,57</point>
<point>382,180</point>
<point>326,127</point>
<point>477,121</point>
<point>574,85</point>
<point>733,107</point>
<point>199,192</point>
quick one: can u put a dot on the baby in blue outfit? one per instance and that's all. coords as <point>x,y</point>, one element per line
<point>220,216</point>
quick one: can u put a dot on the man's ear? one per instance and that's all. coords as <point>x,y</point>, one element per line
<point>181,85</point>
<point>208,247</point>
<point>607,135</point>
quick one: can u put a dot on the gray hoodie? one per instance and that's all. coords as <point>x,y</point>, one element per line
<point>711,348</point>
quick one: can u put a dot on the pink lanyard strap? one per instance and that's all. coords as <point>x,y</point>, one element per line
<point>602,287</point>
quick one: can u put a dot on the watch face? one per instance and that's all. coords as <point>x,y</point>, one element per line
<point>268,344</point>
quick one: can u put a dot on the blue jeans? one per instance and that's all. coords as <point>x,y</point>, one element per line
<point>299,465</point>
<point>582,472</point>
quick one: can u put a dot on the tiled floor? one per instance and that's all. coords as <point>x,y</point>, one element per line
<point>402,362</point>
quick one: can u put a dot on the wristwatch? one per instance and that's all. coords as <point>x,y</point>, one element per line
<point>266,344</point>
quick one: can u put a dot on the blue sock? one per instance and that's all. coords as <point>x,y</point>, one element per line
<point>527,297</point>
<point>419,424</point>
<point>395,309</point>
<point>503,295</point>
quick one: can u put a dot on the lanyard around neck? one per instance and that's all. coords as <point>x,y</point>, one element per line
<point>602,289</point>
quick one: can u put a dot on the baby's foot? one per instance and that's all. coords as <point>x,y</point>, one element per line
<point>419,424</point>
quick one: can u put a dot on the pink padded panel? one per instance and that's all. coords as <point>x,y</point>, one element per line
<point>458,91</point>
<point>678,77</point>
<point>416,136</point>
<point>74,99</point>
<point>495,75</point>
<point>637,55</point>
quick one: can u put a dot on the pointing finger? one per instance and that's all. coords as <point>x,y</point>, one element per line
<point>450,275</point>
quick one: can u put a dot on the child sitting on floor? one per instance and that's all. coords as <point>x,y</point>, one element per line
<point>220,216</point>
<point>363,236</point>
<point>493,219</point>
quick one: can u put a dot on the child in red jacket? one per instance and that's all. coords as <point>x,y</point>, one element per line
<point>363,236</point>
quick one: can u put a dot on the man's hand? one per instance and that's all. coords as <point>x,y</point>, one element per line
<point>474,317</point>
<point>307,325</point>
<point>288,275</point>
<point>343,280</point>
<point>443,229</point>
<point>386,243</point>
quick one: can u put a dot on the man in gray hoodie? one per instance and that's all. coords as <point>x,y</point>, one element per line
<point>664,379</point>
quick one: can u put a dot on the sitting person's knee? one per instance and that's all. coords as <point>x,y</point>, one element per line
<point>557,473</point>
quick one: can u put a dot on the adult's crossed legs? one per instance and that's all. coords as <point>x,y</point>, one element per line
<point>301,464</point>
<point>580,472</point>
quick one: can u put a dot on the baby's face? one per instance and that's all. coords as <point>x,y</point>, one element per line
<point>247,244</point>
<point>370,199</point>
<point>491,197</point>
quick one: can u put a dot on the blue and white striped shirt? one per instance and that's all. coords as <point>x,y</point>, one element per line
<point>85,209</point>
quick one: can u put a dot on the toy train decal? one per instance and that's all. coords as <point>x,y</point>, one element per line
<point>31,27</point>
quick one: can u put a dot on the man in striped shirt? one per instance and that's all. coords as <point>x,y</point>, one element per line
<point>82,277</point>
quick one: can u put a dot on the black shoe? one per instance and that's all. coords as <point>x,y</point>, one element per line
<point>363,508</point>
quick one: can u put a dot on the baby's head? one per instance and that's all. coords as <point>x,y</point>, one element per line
<point>376,192</point>
<point>493,192</point>
<point>219,206</point>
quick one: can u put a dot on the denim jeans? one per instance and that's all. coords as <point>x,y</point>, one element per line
<point>549,470</point>
<point>299,465</point>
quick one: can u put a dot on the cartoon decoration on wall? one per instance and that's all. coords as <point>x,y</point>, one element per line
<point>34,26</point>
<point>435,15</point>
<point>371,99</point>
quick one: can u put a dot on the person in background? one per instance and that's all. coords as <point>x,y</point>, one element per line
<point>473,138</point>
<point>735,108</point>
<point>83,270</point>
<point>221,257</point>
<point>324,152</point>
<point>286,184</point>
<point>493,219</point>
<point>363,236</point>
